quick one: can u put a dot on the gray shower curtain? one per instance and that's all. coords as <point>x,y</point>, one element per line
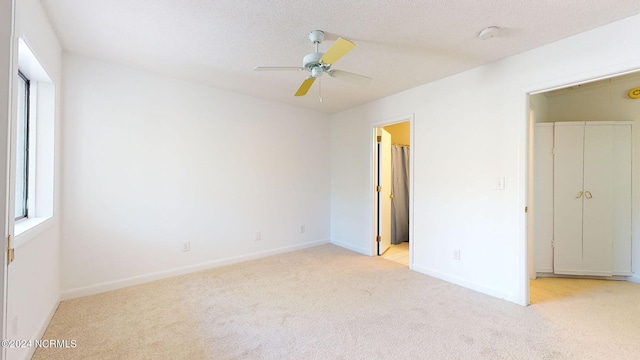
<point>400,191</point>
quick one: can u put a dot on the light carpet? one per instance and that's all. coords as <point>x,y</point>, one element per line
<point>330,303</point>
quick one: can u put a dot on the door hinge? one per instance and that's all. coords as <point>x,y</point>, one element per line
<point>526,209</point>
<point>379,138</point>
<point>10,251</point>
<point>553,151</point>
<point>378,188</point>
<point>378,238</point>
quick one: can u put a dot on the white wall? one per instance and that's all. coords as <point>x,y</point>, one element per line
<point>34,276</point>
<point>470,129</point>
<point>150,162</point>
<point>540,105</point>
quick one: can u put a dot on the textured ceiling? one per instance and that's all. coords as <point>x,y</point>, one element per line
<point>400,44</point>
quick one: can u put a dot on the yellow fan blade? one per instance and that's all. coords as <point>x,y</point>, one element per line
<point>302,91</point>
<point>337,50</point>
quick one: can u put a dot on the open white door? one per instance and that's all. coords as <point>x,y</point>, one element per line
<point>7,58</point>
<point>384,190</point>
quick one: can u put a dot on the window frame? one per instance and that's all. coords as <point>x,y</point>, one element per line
<point>23,200</point>
<point>43,147</point>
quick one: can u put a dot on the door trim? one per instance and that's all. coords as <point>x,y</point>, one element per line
<point>7,65</point>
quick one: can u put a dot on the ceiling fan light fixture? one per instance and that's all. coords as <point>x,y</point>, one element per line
<point>316,71</point>
<point>488,33</point>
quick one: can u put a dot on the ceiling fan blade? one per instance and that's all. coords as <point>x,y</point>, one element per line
<point>350,77</point>
<point>277,68</point>
<point>337,50</point>
<point>302,91</point>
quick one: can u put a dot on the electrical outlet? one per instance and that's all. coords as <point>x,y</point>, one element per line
<point>186,245</point>
<point>456,254</point>
<point>302,229</point>
<point>258,236</point>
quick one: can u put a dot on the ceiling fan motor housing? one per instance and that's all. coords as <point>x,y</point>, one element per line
<point>312,60</point>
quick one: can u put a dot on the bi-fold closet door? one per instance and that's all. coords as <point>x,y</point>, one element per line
<point>591,195</point>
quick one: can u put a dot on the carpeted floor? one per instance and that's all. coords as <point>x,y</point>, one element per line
<point>330,303</point>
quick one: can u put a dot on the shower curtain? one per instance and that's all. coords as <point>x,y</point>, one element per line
<point>400,191</point>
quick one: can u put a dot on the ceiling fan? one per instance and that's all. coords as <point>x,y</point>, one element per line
<point>318,63</point>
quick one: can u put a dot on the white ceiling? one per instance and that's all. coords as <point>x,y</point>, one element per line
<point>400,44</point>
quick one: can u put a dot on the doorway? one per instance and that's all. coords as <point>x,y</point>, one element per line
<point>602,109</point>
<point>392,198</point>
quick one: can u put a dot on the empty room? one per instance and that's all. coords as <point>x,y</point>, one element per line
<point>320,180</point>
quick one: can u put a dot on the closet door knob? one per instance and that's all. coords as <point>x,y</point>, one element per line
<point>588,195</point>
<point>579,194</point>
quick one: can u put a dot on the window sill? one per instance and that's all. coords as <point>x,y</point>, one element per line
<point>27,229</point>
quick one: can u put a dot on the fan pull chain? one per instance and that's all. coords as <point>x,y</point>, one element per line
<point>320,89</point>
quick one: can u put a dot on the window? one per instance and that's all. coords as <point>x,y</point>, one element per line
<point>22,149</point>
<point>33,147</point>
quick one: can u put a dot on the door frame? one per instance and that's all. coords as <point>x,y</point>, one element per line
<point>373,180</point>
<point>7,66</point>
<point>525,130</point>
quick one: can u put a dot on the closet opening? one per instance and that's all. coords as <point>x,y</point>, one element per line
<point>392,190</point>
<point>582,192</point>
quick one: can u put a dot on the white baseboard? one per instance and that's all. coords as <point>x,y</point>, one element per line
<point>352,248</point>
<point>43,328</point>
<point>465,283</point>
<point>137,280</point>
<point>634,279</point>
